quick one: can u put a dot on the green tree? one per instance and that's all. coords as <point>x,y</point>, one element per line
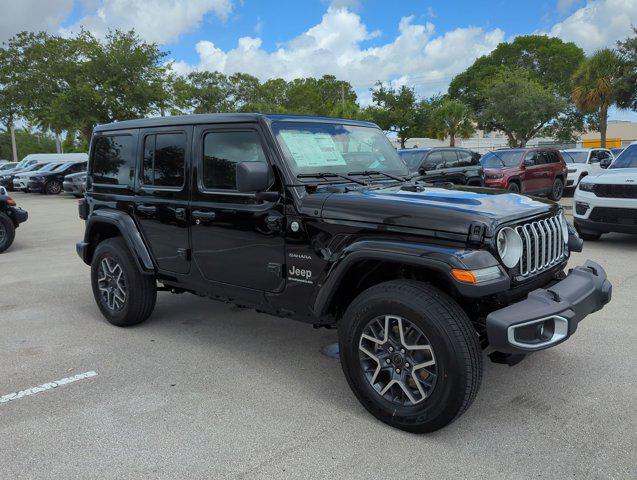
<point>596,86</point>
<point>546,65</point>
<point>397,111</point>
<point>519,106</point>
<point>627,82</point>
<point>451,118</point>
<point>203,92</point>
<point>28,141</point>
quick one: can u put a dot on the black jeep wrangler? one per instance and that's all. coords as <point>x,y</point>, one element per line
<point>317,219</point>
<point>11,217</point>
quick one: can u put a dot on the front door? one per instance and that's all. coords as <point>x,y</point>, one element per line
<point>535,171</point>
<point>161,202</point>
<point>236,239</point>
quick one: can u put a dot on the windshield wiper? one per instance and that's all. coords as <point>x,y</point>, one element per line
<point>369,173</point>
<point>327,175</point>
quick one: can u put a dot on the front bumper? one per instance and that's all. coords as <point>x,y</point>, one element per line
<point>19,184</point>
<point>18,215</point>
<point>549,316</point>
<point>35,186</point>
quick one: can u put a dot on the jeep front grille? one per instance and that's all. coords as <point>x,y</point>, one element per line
<point>542,245</point>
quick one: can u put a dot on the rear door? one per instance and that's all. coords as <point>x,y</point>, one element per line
<point>535,171</point>
<point>161,200</point>
<point>236,239</point>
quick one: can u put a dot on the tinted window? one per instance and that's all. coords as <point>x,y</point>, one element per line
<point>551,157</point>
<point>502,158</point>
<point>412,159</point>
<point>76,167</point>
<point>465,159</point>
<point>113,159</point>
<point>433,161</point>
<point>164,160</point>
<point>450,158</point>
<point>627,159</point>
<point>222,151</point>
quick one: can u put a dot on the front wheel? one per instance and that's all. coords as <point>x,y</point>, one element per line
<point>557,190</point>
<point>410,355</point>
<point>7,232</point>
<point>123,294</point>
<point>53,188</point>
<point>513,187</point>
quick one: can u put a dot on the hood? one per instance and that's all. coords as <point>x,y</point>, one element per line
<point>442,209</point>
<point>614,176</point>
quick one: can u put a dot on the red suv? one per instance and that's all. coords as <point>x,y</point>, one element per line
<point>540,171</point>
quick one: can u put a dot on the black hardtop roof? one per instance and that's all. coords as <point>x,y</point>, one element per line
<point>205,118</point>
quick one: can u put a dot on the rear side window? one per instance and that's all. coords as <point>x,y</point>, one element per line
<point>466,159</point>
<point>222,151</point>
<point>113,159</point>
<point>450,158</point>
<point>164,159</point>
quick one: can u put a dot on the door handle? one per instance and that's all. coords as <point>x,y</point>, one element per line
<point>146,209</point>
<point>201,215</point>
<point>180,213</point>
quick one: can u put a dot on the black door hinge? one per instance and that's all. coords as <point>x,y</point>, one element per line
<point>476,233</point>
<point>276,269</point>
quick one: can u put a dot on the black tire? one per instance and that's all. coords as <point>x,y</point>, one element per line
<point>54,187</point>
<point>452,338</point>
<point>557,190</point>
<point>513,187</point>
<point>7,232</point>
<point>141,290</point>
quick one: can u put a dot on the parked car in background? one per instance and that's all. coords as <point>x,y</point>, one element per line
<point>10,218</point>
<point>6,179</point>
<point>617,151</point>
<point>607,202</point>
<point>75,184</point>
<point>540,171</point>
<point>445,164</point>
<point>5,167</point>
<point>50,182</point>
<point>21,180</point>
<point>585,161</point>
<point>34,158</point>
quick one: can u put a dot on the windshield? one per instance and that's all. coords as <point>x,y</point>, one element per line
<point>312,148</point>
<point>504,158</point>
<point>60,167</point>
<point>7,166</point>
<point>47,167</point>
<point>412,159</point>
<point>627,159</point>
<point>575,157</point>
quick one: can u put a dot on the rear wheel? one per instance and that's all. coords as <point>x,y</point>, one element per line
<point>7,232</point>
<point>123,294</point>
<point>53,187</point>
<point>557,190</point>
<point>410,355</point>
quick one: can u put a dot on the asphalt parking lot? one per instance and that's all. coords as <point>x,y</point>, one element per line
<point>207,390</point>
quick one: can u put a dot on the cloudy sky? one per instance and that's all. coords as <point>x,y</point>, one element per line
<point>418,43</point>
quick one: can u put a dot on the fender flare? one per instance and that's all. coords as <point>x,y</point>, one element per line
<point>129,231</point>
<point>439,259</point>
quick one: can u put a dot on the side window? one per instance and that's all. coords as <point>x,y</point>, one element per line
<point>551,157</point>
<point>450,158</point>
<point>222,151</point>
<point>77,167</point>
<point>595,156</point>
<point>465,159</point>
<point>113,159</point>
<point>433,161</point>
<point>531,159</point>
<point>164,159</point>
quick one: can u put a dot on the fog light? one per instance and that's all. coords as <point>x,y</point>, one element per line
<point>539,333</point>
<point>581,207</point>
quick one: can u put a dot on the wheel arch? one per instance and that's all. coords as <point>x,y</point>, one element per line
<point>104,224</point>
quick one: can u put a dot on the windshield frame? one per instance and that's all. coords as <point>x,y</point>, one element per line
<point>290,166</point>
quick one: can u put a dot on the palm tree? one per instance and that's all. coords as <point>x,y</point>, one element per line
<point>595,86</point>
<point>452,119</point>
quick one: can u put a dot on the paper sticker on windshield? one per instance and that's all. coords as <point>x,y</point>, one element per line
<point>312,149</point>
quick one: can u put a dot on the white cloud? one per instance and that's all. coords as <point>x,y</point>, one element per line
<point>160,21</point>
<point>334,46</point>
<point>564,6</point>
<point>32,15</point>
<point>599,24</point>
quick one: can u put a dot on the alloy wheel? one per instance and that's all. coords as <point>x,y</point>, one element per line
<point>3,233</point>
<point>111,284</point>
<point>397,360</point>
<point>55,187</point>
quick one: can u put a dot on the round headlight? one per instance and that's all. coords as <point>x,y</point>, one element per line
<point>509,247</point>
<point>564,227</point>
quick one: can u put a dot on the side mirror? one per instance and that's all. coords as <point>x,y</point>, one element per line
<point>252,177</point>
<point>528,162</point>
<point>605,162</point>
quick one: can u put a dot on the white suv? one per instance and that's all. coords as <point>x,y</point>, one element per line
<point>584,161</point>
<point>607,202</point>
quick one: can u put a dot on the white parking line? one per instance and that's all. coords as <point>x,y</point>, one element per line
<point>46,386</point>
